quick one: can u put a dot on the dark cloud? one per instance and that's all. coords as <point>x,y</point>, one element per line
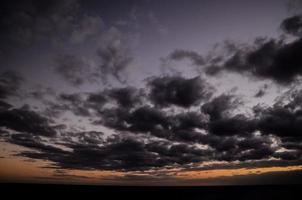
<point>288,155</point>
<point>131,153</point>
<point>74,103</point>
<point>220,106</point>
<point>188,121</point>
<point>4,106</point>
<point>266,58</point>
<point>142,119</point>
<point>269,59</point>
<point>254,142</point>
<point>41,93</point>
<point>146,119</point>
<point>178,146</point>
<point>222,121</point>
<point>260,93</point>
<point>280,121</point>
<point>293,25</point>
<point>292,143</point>
<point>85,104</point>
<point>10,82</point>
<point>170,122</point>
<point>178,91</point>
<point>149,137</point>
<point>98,98</point>
<point>125,97</point>
<point>34,142</point>
<point>26,22</point>
<point>246,148</point>
<point>280,63</point>
<point>236,125</point>
<point>283,119</point>
<point>64,102</point>
<point>72,98</point>
<point>23,120</point>
<point>227,133</point>
<point>123,153</point>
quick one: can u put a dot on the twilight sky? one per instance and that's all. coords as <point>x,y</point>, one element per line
<point>182,92</point>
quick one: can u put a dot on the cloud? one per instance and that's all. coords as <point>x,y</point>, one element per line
<point>74,103</point>
<point>122,153</point>
<point>125,97</point>
<point>4,105</point>
<point>114,56</point>
<point>131,149</point>
<point>33,142</point>
<point>267,58</point>
<point>170,121</point>
<point>89,26</point>
<point>97,98</point>
<point>126,152</point>
<point>237,125</point>
<point>27,22</point>
<point>262,91</point>
<point>270,59</point>
<point>293,25</point>
<point>166,91</point>
<point>280,121</point>
<point>10,82</point>
<point>23,120</point>
<point>147,137</point>
<point>73,69</point>
<point>220,107</point>
<point>110,60</point>
<point>194,57</point>
<point>65,23</point>
<point>143,119</point>
<point>88,104</point>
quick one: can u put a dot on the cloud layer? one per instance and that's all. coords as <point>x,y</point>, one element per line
<point>87,115</point>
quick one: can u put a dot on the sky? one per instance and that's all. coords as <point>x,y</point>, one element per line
<point>149,92</point>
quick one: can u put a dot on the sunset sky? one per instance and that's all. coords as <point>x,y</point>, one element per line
<point>150,92</point>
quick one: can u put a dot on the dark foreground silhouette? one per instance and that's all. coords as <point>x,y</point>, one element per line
<point>42,191</point>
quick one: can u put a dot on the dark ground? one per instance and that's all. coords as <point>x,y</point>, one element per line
<point>44,191</point>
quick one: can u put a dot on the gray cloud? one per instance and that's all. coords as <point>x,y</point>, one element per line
<point>166,122</point>
<point>89,26</point>
<point>28,22</point>
<point>23,120</point>
<point>10,82</point>
<point>73,69</point>
<point>146,137</point>
<point>114,59</point>
<point>111,60</point>
<point>293,25</point>
<point>179,91</point>
<point>194,57</point>
<point>266,58</point>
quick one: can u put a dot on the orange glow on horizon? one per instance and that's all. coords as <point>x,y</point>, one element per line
<point>17,169</point>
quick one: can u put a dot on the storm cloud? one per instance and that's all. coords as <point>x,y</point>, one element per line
<point>178,91</point>
<point>82,87</point>
<point>23,120</point>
